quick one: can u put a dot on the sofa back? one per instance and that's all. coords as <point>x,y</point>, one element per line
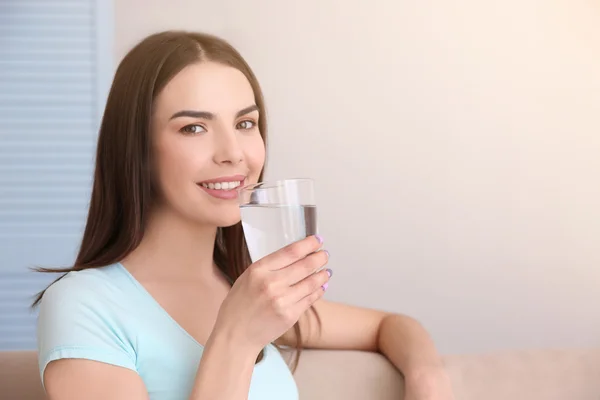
<point>19,377</point>
<point>352,375</point>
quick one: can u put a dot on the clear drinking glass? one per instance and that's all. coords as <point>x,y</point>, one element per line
<point>278,213</point>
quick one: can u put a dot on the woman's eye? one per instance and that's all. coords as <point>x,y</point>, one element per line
<point>246,125</point>
<point>193,129</point>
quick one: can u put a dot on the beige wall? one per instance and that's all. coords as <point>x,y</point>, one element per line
<point>456,146</point>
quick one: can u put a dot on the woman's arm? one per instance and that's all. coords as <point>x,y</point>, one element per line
<point>71,379</point>
<point>225,370</point>
<point>408,346</point>
<point>221,365</point>
<point>400,338</point>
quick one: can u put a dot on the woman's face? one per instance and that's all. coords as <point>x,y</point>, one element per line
<point>207,142</point>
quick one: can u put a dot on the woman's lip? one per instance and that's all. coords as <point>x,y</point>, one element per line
<point>234,178</point>
<point>229,194</point>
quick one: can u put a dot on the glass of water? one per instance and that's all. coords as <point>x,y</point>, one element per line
<point>278,213</point>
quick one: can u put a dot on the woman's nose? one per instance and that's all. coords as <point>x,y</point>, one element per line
<point>227,147</point>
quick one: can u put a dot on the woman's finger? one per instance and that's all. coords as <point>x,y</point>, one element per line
<point>291,253</point>
<point>313,283</point>
<point>301,269</point>
<point>304,303</point>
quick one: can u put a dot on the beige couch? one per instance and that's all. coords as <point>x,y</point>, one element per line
<point>343,375</point>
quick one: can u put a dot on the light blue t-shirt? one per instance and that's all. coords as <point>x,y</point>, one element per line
<point>104,314</point>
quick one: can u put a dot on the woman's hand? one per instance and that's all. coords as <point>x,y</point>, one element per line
<point>272,294</point>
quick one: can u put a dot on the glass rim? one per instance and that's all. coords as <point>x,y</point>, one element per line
<point>272,184</point>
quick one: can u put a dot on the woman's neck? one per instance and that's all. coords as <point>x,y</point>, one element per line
<point>174,247</point>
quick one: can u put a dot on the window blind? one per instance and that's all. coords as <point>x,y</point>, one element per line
<point>55,67</point>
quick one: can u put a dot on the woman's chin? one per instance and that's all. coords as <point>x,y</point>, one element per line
<point>225,220</point>
<point>228,225</point>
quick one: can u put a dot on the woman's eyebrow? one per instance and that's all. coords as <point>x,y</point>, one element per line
<point>247,110</point>
<point>209,115</point>
<point>193,114</point>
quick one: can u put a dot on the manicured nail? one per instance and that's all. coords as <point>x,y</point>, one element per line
<point>325,285</point>
<point>319,238</point>
<point>328,255</point>
<point>329,272</point>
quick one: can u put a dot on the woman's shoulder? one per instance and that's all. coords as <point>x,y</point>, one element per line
<point>85,285</point>
<point>81,316</point>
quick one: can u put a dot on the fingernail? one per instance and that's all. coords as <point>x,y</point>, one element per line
<point>329,272</point>
<point>319,238</point>
<point>326,252</point>
<point>325,285</point>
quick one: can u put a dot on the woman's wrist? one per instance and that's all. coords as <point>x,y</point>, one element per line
<point>223,341</point>
<point>226,336</point>
<point>225,360</point>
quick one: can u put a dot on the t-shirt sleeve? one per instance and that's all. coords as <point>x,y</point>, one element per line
<point>77,321</point>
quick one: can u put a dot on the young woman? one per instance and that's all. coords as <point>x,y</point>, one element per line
<point>162,301</point>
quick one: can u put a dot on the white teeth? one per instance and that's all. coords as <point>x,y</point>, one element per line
<point>222,185</point>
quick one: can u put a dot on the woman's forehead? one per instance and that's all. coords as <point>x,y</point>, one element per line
<point>205,86</point>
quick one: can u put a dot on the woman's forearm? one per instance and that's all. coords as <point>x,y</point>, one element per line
<point>407,345</point>
<point>410,348</point>
<point>225,370</point>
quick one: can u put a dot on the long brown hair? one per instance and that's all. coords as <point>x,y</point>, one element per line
<point>124,188</point>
